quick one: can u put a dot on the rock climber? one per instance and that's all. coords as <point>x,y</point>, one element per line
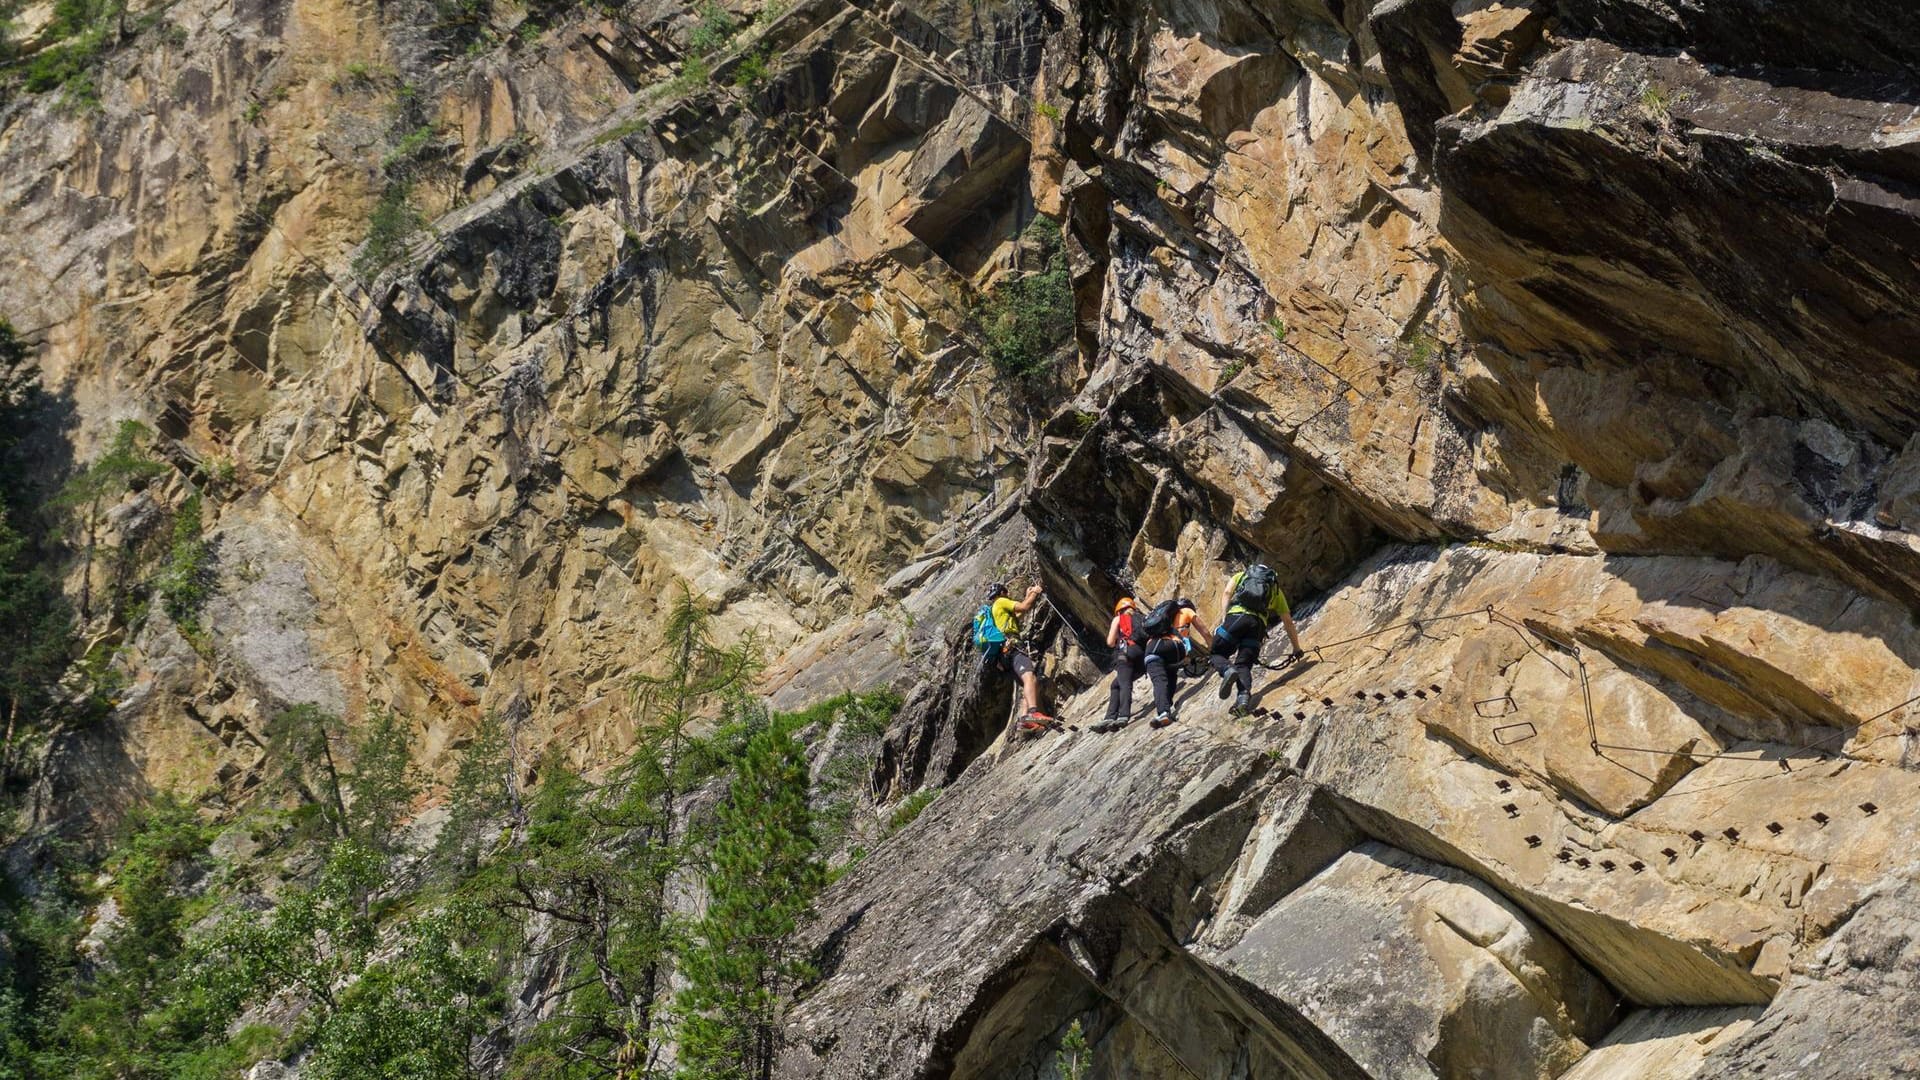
<point>1170,631</point>
<point>1252,600</point>
<point>1123,638</point>
<point>996,632</point>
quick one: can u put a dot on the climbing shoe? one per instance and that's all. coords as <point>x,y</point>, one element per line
<point>1242,705</point>
<point>1164,718</point>
<point>1036,722</point>
<point>1226,684</point>
<point>1111,723</point>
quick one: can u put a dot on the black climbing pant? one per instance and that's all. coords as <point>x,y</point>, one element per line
<point>1239,636</point>
<point>1012,657</point>
<point>1163,658</point>
<point>1126,668</point>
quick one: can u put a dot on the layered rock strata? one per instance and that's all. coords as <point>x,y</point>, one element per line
<point>1555,354</point>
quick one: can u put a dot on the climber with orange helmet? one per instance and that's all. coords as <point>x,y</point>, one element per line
<point>1169,634</point>
<point>1124,640</point>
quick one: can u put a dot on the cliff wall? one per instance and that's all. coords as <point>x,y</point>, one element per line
<point>1557,356</point>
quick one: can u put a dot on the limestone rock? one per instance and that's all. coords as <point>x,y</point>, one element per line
<point>1417,970</point>
<point>1848,1013</point>
<point>1557,355</point>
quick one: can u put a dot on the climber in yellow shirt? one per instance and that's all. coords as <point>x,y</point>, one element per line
<point>1253,601</point>
<point>996,632</point>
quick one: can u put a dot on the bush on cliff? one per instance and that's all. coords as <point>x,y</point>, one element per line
<point>1028,316</point>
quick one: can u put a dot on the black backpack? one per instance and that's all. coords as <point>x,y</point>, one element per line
<point>1158,622</point>
<point>1256,589</point>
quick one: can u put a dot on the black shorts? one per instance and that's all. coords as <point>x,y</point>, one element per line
<point>1240,635</point>
<point>1015,659</point>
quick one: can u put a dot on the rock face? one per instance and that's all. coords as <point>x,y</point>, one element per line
<point>1556,355</point>
<point>1844,1015</point>
<point>1420,970</point>
<point>649,342</point>
<point>1598,783</point>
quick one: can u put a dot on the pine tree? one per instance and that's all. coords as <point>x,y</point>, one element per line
<point>36,625</point>
<point>764,872</point>
<point>481,791</point>
<point>601,861</point>
<point>123,465</point>
<point>187,579</point>
<point>36,631</point>
<point>383,783</point>
<point>301,742</point>
<point>1075,1056</point>
<point>104,1029</point>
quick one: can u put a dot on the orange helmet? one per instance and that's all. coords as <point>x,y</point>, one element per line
<point>1125,604</point>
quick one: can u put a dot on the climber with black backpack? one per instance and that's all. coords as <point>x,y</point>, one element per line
<point>1253,601</point>
<point>996,633</point>
<point>1168,634</point>
<point>1123,638</point>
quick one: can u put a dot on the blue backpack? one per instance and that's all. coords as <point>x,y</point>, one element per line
<point>987,635</point>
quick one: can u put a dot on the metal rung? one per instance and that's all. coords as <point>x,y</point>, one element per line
<point>1508,734</point>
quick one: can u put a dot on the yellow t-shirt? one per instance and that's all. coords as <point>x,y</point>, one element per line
<point>1276,604</point>
<point>1006,617</point>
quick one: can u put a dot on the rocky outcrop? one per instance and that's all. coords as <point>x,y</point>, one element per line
<point>1503,872</point>
<point>653,338</point>
<point>1846,1013</point>
<point>1555,355</point>
<point>1417,272</point>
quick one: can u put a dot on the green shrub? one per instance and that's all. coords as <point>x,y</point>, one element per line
<point>187,580</point>
<point>1029,316</point>
<point>1657,100</point>
<point>1276,326</point>
<point>751,72</point>
<point>358,75</point>
<point>462,13</point>
<point>714,30</point>
<point>82,32</point>
<point>909,809</point>
<point>393,223</point>
<point>221,472</point>
<point>871,713</point>
<point>1419,350</point>
<point>859,714</point>
<point>412,148</point>
<point>1047,109</point>
<point>694,73</point>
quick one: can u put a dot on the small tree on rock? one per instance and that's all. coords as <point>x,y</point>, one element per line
<point>383,783</point>
<point>764,872</point>
<point>123,465</point>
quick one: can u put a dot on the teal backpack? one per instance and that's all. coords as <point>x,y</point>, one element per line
<point>987,635</point>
